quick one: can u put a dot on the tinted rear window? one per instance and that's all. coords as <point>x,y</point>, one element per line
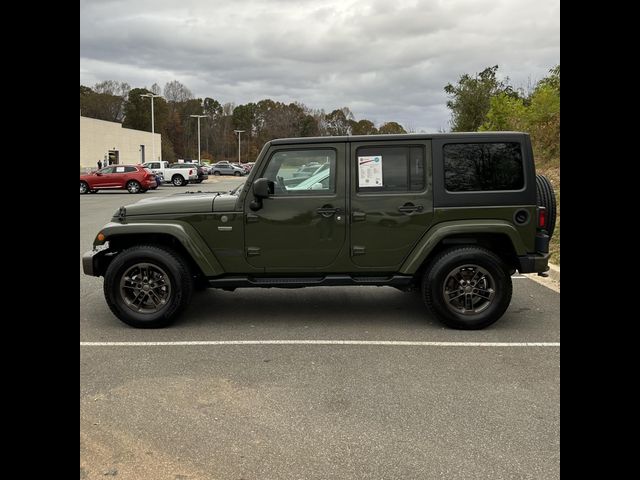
<point>472,167</point>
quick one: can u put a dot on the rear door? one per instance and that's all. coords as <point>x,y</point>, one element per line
<point>118,177</point>
<point>302,226</point>
<point>391,201</point>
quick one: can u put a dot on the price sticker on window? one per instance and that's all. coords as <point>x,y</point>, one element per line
<point>370,171</point>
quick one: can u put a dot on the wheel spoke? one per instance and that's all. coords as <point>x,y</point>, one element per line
<point>468,301</point>
<point>484,293</point>
<point>451,299</point>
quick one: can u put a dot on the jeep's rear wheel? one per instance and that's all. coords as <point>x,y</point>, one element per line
<point>467,288</point>
<point>547,199</point>
<point>147,286</point>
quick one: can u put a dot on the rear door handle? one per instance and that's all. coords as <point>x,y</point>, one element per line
<point>410,208</point>
<point>327,211</point>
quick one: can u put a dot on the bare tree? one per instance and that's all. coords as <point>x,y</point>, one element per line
<point>176,92</point>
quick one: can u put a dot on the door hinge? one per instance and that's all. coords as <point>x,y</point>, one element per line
<point>357,250</point>
<point>253,251</point>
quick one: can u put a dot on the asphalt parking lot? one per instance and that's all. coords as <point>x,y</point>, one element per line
<point>200,404</point>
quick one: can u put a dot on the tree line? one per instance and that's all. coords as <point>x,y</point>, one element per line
<point>478,102</point>
<point>262,121</point>
<point>482,102</point>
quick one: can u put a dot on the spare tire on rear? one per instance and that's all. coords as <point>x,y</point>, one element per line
<point>547,199</point>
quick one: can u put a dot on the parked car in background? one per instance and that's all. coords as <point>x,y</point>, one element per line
<point>133,178</point>
<point>247,166</point>
<point>201,174</point>
<point>308,170</point>
<point>205,168</point>
<point>226,168</point>
<point>177,173</point>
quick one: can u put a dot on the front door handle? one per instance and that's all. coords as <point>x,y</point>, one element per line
<point>410,208</point>
<point>328,211</point>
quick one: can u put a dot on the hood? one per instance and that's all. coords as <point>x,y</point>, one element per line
<point>225,203</point>
<point>188,202</point>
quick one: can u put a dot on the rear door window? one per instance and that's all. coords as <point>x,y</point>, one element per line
<point>390,169</point>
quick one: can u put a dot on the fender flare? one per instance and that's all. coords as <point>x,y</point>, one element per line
<point>440,231</point>
<point>188,237</point>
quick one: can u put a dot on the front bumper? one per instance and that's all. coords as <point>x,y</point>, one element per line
<point>88,266</point>
<point>95,262</point>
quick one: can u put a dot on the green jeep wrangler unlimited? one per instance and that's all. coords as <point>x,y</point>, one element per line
<point>450,215</point>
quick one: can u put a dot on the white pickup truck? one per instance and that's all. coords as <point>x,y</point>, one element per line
<point>177,175</point>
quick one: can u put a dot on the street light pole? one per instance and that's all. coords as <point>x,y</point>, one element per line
<point>198,117</point>
<point>153,131</point>
<point>239,132</point>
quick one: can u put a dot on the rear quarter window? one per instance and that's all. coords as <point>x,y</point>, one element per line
<point>472,167</point>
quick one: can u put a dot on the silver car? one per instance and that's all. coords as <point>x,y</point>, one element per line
<point>226,168</point>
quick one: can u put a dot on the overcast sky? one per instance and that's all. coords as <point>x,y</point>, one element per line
<point>387,60</point>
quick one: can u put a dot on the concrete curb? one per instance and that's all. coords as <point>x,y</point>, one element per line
<point>554,272</point>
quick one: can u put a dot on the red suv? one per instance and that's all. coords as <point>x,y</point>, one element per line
<point>134,178</point>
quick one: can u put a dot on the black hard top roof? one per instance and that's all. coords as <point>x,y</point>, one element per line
<point>386,138</point>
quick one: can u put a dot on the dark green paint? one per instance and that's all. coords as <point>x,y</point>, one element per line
<point>288,236</point>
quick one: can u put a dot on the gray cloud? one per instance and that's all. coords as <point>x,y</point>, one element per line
<point>384,60</point>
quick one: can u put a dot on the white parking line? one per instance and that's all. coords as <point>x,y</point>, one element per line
<point>321,342</point>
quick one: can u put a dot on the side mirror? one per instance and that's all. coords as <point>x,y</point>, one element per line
<point>261,188</point>
<point>98,174</point>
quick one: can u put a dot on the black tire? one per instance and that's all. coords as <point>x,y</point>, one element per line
<point>199,181</point>
<point>547,198</point>
<point>84,188</point>
<point>237,174</point>
<point>216,173</point>
<point>134,186</point>
<point>177,271</point>
<point>438,275</point>
<point>178,180</point>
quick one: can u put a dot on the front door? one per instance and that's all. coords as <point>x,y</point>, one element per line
<point>105,179</point>
<point>302,225</point>
<point>391,201</point>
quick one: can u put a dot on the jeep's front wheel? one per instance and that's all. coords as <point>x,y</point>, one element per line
<point>467,288</point>
<point>147,286</point>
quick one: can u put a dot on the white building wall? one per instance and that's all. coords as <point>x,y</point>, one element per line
<point>97,137</point>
